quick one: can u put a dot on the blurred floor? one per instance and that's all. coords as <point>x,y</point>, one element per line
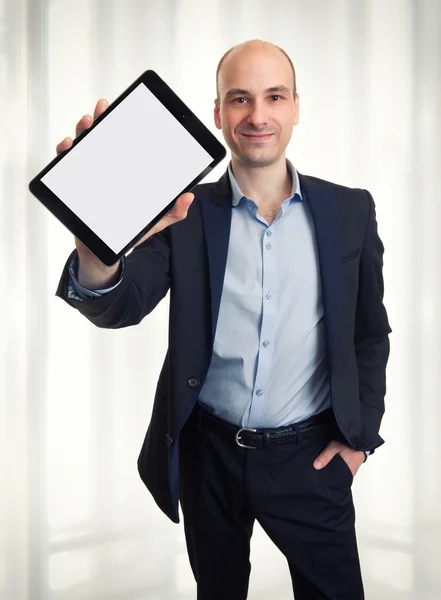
<point>162,572</point>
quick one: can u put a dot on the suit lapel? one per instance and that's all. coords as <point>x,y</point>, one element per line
<point>216,211</point>
<point>320,198</point>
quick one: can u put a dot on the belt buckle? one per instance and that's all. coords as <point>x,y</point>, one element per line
<point>237,437</point>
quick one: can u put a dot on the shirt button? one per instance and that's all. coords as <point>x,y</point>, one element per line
<point>168,440</point>
<point>259,392</point>
<point>269,295</point>
<point>269,233</point>
<point>266,343</point>
<point>269,246</point>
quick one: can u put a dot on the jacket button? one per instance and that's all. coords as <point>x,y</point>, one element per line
<point>168,440</point>
<point>193,382</point>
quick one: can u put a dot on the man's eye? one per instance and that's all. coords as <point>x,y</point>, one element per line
<point>238,100</point>
<point>276,96</point>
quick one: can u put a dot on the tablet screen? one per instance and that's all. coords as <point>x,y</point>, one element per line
<point>128,168</point>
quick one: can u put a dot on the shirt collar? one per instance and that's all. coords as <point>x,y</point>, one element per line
<point>238,195</point>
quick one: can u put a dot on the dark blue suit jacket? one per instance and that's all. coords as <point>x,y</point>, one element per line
<point>189,259</point>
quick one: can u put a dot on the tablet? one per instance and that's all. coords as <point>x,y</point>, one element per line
<point>121,176</point>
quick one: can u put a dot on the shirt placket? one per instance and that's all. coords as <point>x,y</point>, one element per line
<point>267,329</point>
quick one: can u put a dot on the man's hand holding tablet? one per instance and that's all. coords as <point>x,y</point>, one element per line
<point>127,175</point>
<point>92,273</point>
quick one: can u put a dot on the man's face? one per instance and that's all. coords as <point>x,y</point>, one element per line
<point>256,109</point>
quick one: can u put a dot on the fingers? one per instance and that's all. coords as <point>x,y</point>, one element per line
<point>328,454</point>
<point>84,123</point>
<point>353,458</point>
<point>100,107</point>
<point>87,120</point>
<point>64,145</point>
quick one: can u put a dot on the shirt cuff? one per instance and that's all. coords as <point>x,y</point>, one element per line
<point>76,291</point>
<point>366,454</point>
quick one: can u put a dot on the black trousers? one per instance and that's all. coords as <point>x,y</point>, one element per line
<point>308,514</point>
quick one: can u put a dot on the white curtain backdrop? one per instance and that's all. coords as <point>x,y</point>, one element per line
<point>76,522</point>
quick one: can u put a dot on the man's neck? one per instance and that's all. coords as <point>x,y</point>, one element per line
<point>264,184</point>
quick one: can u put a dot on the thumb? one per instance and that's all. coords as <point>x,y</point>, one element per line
<point>187,198</point>
<point>326,456</point>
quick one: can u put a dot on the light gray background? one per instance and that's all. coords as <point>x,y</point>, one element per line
<point>76,522</point>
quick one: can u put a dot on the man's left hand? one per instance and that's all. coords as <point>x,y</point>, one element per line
<point>353,458</point>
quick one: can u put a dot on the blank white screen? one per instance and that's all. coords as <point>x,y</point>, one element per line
<point>128,168</point>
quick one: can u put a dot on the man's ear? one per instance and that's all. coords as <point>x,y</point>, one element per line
<point>296,110</point>
<point>217,119</point>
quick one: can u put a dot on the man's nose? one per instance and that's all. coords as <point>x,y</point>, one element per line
<point>257,116</point>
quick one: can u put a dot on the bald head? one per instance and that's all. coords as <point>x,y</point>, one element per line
<point>241,52</point>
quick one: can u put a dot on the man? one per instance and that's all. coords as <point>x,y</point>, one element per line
<point>272,390</point>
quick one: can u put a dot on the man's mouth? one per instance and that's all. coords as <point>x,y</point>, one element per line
<point>257,137</point>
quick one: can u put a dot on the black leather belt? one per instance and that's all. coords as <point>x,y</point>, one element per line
<point>246,437</point>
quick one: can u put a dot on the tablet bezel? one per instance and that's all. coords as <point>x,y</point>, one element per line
<point>186,118</point>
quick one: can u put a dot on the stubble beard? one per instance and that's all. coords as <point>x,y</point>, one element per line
<point>259,157</point>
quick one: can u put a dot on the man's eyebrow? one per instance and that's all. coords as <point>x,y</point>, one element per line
<point>236,92</point>
<point>278,88</point>
<point>271,90</point>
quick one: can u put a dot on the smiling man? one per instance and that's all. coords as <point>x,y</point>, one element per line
<point>272,390</point>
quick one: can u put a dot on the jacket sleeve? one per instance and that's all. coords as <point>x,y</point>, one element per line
<point>145,282</point>
<point>371,331</point>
